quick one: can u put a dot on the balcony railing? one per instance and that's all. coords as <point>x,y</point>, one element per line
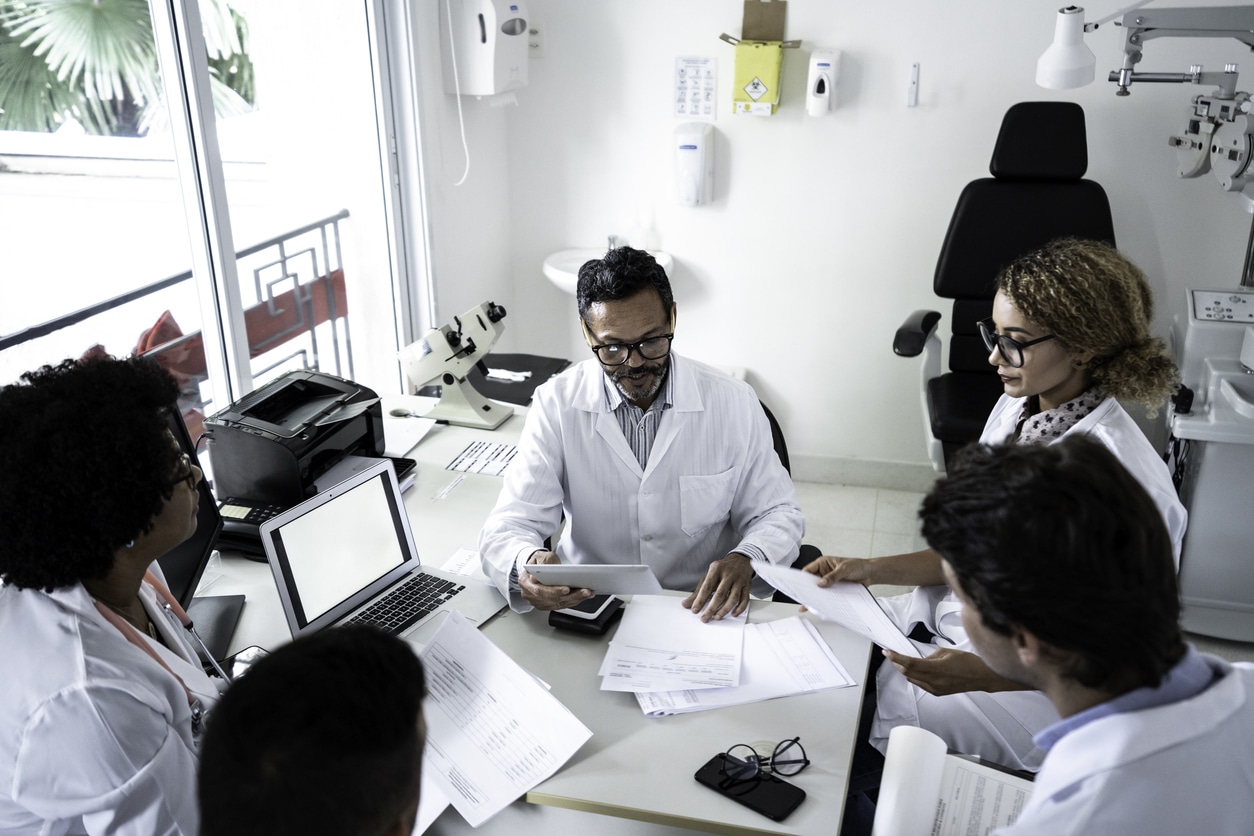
<point>296,314</point>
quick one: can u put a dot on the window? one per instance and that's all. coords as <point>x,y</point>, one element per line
<point>284,184</point>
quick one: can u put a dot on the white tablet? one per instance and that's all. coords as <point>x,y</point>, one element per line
<point>616,579</point>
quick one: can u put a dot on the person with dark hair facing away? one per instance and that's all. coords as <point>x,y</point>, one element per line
<point>104,697</point>
<point>1065,571</point>
<point>651,458</point>
<point>324,735</point>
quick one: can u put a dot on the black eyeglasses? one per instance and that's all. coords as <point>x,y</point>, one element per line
<point>185,463</point>
<point>742,762</point>
<point>615,354</point>
<point>1011,350</point>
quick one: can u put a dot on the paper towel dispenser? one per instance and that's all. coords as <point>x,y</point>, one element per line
<point>694,163</point>
<point>484,46</point>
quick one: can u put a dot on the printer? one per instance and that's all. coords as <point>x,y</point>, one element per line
<point>268,448</point>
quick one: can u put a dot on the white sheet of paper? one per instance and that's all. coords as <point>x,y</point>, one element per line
<point>432,801</point>
<point>493,732</point>
<point>850,605</point>
<point>782,657</point>
<point>660,646</point>
<point>465,562</point>
<point>400,435</point>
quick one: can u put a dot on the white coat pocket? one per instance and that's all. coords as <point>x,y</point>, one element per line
<point>706,500</point>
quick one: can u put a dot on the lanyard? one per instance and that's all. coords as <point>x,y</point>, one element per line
<point>174,608</point>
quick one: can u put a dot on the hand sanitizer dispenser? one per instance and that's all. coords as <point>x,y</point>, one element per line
<point>821,86</point>
<point>694,163</point>
<point>486,41</point>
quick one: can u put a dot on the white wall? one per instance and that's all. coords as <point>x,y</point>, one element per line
<point>824,232</point>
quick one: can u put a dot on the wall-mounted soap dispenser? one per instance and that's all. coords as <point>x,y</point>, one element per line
<point>694,163</point>
<point>488,45</point>
<point>821,84</point>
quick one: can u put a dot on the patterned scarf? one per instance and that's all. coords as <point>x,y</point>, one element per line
<point>1037,427</point>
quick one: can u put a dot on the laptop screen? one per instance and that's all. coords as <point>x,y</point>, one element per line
<point>336,550</point>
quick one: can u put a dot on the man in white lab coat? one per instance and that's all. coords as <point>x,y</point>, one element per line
<point>1065,570</point>
<point>648,456</point>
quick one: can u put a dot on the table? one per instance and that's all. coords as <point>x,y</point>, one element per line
<point>634,767</point>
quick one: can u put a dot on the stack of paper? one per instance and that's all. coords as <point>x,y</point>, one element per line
<point>781,658</point>
<point>660,646</point>
<point>674,663</point>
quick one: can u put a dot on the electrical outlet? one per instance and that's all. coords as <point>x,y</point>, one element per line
<point>535,42</point>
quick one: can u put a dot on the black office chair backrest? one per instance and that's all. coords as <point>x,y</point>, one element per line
<point>1036,194</point>
<point>777,438</point>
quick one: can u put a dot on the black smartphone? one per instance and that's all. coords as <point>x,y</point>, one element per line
<point>773,797</point>
<point>238,665</point>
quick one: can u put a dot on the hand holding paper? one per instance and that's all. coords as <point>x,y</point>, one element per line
<point>850,605</point>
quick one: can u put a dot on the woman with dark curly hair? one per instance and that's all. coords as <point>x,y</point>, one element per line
<point>1069,335</point>
<point>105,697</point>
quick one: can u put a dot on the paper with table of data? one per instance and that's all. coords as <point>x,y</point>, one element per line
<point>782,657</point>
<point>660,646</point>
<point>493,731</point>
<point>928,792</point>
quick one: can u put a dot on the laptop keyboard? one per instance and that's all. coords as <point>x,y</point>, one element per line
<point>407,602</point>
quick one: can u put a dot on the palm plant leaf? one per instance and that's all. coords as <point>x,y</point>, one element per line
<point>32,97</point>
<point>96,60</point>
<point>104,45</point>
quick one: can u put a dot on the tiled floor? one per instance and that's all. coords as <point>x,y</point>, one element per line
<point>869,522</point>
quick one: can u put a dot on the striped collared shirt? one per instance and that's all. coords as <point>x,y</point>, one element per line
<point>639,426</point>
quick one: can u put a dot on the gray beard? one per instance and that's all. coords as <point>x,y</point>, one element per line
<point>653,389</point>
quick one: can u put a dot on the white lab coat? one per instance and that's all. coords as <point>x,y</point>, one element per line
<point>1186,767</point>
<point>713,482</point>
<point>1000,726</point>
<point>95,737</point>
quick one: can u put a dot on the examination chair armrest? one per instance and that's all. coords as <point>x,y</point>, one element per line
<point>913,333</point>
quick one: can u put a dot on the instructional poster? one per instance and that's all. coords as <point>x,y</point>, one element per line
<point>696,87</point>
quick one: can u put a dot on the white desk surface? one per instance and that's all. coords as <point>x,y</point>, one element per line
<point>633,767</point>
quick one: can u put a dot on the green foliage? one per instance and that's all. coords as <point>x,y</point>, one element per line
<point>95,61</point>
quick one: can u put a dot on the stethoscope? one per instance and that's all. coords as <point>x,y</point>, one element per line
<point>175,612</point>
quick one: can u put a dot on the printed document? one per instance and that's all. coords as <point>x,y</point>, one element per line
<point>484,457</point>
<point>928,792</point>
<point>660,646</point>
<point>493,732</point>
<point>851,605</point>
<point>782,657</point>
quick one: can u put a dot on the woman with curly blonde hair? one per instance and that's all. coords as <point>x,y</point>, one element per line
<point>1091,299</point>
<point>1069,336</point>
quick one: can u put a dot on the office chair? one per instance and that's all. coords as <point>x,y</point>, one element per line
<point>807,552</point>
<point>1036,194</point>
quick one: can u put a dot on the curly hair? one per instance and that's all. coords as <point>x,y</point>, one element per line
<point>1092,298</point>
<point>85,467</point>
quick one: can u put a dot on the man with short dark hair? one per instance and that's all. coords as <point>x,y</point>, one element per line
<point>1065,570</point>
<point>325,735</point>
<point>649,456</point>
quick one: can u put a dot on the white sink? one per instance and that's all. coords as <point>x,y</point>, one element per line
<point>562,267</point>
<point>1239,393</point>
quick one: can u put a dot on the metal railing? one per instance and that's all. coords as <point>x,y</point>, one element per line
<point>297,282</point>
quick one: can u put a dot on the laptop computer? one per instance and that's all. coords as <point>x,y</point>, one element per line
<point>347,556</point>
